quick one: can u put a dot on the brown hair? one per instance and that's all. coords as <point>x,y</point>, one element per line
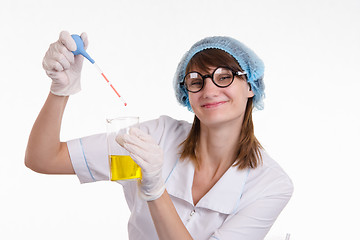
<point>248,148</point>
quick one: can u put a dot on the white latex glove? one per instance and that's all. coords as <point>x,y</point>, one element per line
<point>149,156</point>
<point>62,66</point>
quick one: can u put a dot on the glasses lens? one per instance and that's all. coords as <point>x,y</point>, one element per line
<point>193,82</point>
<point>223,77</point>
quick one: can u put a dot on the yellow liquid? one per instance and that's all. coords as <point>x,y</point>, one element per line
<point>123,168</point>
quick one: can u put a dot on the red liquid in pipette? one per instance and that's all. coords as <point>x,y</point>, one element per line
<point>102,74</point>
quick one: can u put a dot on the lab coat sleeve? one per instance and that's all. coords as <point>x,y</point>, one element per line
<point>255,220</point>
<point>89,158</point>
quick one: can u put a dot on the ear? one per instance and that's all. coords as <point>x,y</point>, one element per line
<point>250,92</point>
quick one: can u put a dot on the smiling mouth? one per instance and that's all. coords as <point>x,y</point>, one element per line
<point>213,105</point>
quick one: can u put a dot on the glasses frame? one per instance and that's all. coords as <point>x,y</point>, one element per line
<point>235,73</point>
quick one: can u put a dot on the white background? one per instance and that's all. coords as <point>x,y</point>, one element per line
<point>310,124</point>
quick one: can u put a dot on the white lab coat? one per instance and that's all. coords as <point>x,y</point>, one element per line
<point>243,204</point>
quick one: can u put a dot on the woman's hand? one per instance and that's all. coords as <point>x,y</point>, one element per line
<point>62,66</point>
<point>149,156</point>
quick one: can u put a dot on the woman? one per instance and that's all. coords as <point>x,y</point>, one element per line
<point>211,180</point>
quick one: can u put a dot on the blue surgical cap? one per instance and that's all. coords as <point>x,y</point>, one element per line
<point>246,58</point>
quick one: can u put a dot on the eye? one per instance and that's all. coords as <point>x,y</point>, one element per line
<point>224,77</point>
<point>195,82</point>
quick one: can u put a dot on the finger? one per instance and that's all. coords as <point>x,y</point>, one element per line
<point>133,143</point>
<point>133,140</point>
<point>136,141</point>
<point>84,37</point>
<point>137,153</point>
<point>66,39</point>
<point>59,78</point>
<point>120,139</point>
<point>52,65</point>
<point>139,161</point>
<point>52,74</point>
<point>67,54</point>
<point>49,63</point>
<point>131,148</point>
<point>59,49</point>
<point>145,154</point>
<point>55,56</point>
<point>141,135</point>
<point>62,60</point>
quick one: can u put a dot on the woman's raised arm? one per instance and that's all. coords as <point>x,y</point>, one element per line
<point>45,153</point>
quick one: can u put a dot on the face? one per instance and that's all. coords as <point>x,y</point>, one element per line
<point>216,106</point>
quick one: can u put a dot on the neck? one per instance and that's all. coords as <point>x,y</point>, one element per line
<point>218,145</point>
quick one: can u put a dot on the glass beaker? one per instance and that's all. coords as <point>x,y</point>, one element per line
<point>122,167</point>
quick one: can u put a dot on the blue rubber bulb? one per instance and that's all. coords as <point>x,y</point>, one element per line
<point>80,48</point>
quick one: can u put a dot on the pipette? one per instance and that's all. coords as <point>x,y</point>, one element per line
<point>80,50</point>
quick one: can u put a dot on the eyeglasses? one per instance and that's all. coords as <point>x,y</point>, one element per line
<point>222,77</point>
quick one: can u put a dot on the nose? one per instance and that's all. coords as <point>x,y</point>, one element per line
<point>209,88</point>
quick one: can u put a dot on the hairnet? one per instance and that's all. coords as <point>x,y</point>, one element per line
<point>247,59</point>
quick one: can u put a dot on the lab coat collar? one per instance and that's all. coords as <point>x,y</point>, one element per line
<point>223,197</point>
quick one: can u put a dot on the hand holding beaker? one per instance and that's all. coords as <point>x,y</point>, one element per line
<point>149,156</point>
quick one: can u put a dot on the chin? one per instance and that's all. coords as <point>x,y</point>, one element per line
<point>217,117</point>
<point>214,118</point>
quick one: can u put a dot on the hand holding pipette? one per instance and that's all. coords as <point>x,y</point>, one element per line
<point>62,66</point>
<point>80,50</point>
